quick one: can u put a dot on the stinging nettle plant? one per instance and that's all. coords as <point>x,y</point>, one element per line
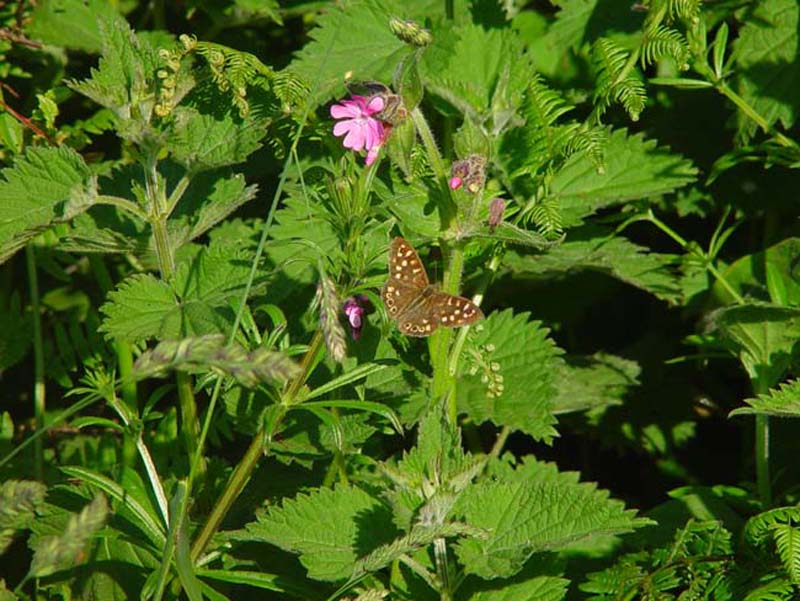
<point>223,259</point>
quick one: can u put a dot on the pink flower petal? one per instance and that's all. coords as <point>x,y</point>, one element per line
<point>375,105</point>
<point>373,134</point>
<point>455,183</point>
<point>342,127</point>
<point>343,111</point>
<point>355,139</point>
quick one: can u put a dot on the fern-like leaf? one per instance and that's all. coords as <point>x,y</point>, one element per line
<point>759,528</point>
<point>617,81</point>
<point>661,42</point>
<point>546,215</point>
<point>787,541</point>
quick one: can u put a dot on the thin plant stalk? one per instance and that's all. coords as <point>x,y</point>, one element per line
<point>39,405</point>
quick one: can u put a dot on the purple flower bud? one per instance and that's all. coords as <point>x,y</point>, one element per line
<point>496,208</point>
<point>354,308</point>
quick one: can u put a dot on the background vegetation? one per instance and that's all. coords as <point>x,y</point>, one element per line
<point>188,412</point>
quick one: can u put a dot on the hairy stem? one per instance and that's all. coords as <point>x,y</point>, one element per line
<point>752,114</point>
<point>38,362</point>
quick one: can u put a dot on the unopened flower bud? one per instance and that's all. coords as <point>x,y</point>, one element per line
<point>496,208</point>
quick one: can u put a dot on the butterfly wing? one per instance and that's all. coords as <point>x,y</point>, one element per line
<point>407,278</point>
<point>451,311</point>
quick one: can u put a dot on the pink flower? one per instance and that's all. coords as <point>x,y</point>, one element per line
<point>354,308</point>
<point>356,123</point>
<point>455,182</point>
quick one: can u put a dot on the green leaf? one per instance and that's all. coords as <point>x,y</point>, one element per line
<point>485,74</point>
<point>767,62</point>
<point>196,302</point>
<point>135,505</point>
<point>594,382</point>
<point>45,186</point>
<point>528,518</point>
<point>124,78</point>
<point>617,257</point>
<point>765,338</point>
<point>136,310</point>
<point>17,328</point>
<point>781,402</point>
<point>583,21</point>
<point>539,580</point>
<point>72,24</point>
<point>749,275</point>
<point>519,363</point>
<point>635,168</point>
<point>329,528</point>
<point>201,141</point>
<point>353,39</point>
<point>270,582</point>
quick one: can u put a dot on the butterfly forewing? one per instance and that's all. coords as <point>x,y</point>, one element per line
<point>416,306</point>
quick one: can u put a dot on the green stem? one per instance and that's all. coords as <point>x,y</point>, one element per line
<point>258,445</point>
<point>762,460</point>
<point>124,204</point>
<point>38,362</point>
<point>752,114</point>
<point>688,248</point>
<point>443,382</point>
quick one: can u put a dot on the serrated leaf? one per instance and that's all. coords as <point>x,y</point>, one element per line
<point>45,186</point>
<point>583,21</point>
<point>635,168</point>
<point>539,580</point>
<point>123,80</point>
<point>329,528</point>
<point>764,336</point>
<point>617,257</point>
<point>521,352</point>
<point>485,74</point>
<point>527,518</point>
<point>594,382</point>
<point>352,39</point>
<point>18,502</point>
<point>70,23</point>
<point>781,402</point>
<point>196,302</point>
<point>768,67</point>
<point>135,311</point>
<point>201,141</point>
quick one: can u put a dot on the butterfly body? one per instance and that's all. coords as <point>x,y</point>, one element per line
<point>419,307</point>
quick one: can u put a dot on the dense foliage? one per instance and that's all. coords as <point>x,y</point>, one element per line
<point>217,383</point>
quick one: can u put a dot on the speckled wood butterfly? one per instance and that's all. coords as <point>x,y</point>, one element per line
<point>416,305</point>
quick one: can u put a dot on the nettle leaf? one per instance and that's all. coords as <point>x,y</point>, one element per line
<point>583,21</point>
<point>617,257</point>
<point>538,581</point>
<point>123,80</point>
<point>781,402</point>
<point>519,364</point>
<point>44,187</point>
<point>529,517</point>
<point>485,76</point>
<point>635,168</point>
<point>764,336</point>
<point>70,23</point>
<point>352,39</point>
<point>766,53</point>
<point>594,382</point>
<point>201,141</point>
<point>329,528</point>
<point>194,303</point>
